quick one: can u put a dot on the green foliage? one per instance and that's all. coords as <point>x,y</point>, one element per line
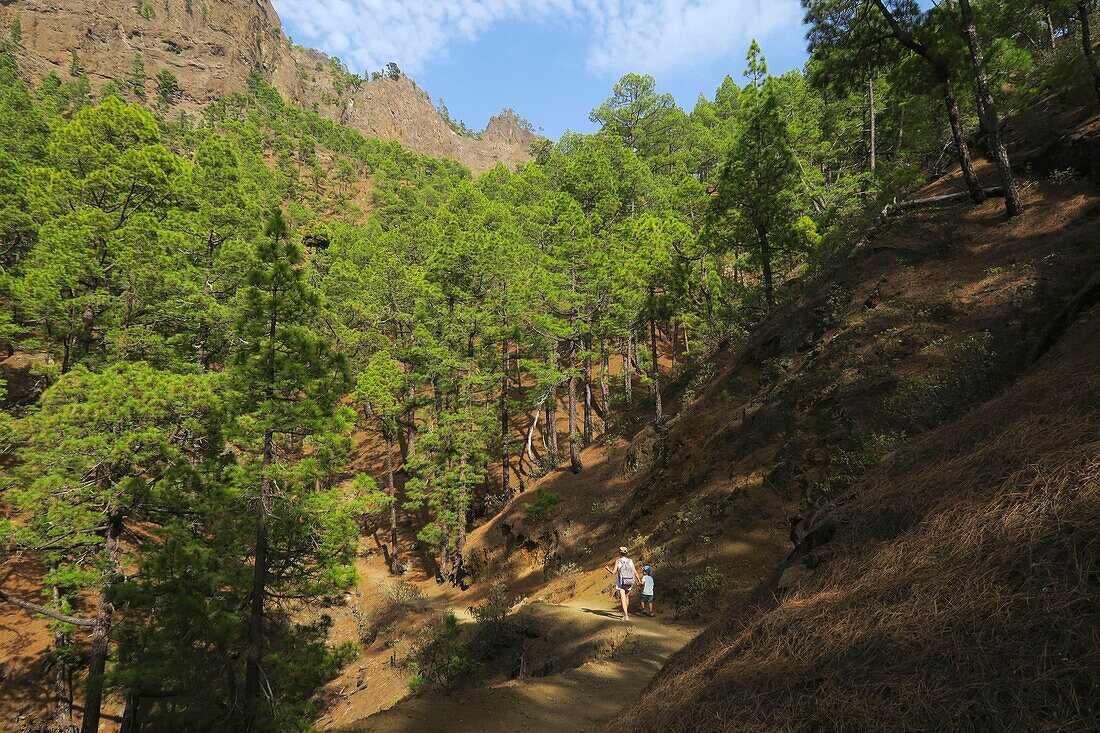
<point>438,656</point>
<point>136,80</point>
<point>145,10</point>
<point>16,31</point>
<point>967,376</point>
<point>168,87</point>
<point>700,594</point>
<point>542,507</point>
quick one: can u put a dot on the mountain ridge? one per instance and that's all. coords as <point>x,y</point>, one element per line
<point>212,48</point>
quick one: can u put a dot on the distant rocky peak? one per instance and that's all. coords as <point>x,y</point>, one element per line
<point>509,128</point>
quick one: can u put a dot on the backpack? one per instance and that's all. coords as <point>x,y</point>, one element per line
<point>625,570</point>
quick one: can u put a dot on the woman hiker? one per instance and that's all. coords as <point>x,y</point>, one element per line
<point>625,574</point>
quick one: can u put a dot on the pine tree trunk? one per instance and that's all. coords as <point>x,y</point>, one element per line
<point>61,714</point>
<point>587,386</point>
<point>658,409</point>
<point>571,406</point>
<point>391,487</point>
<point>628,383</point>
<point>461,517</point>
<point>130,712</point>
<point>410,421</point>
<point>962,150</point>
<point>1083,9</point>
<point>257,595</point>
<point>505,460</point>
<point>1013,205</point>
<point>1050,25</point>
<point>101,633</point>
<point>550,429</point>
<point>605,400</point>
<point>766,261</point>
<point>874,141</point>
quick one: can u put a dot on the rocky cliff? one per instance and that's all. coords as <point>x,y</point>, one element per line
<point>211,47</point>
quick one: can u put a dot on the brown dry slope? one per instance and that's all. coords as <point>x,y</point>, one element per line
<point>212,47</point>
<point>957,585</point>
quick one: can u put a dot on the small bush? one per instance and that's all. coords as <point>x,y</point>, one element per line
<point>699,592</point>
<point>931,399</point>
<point>407,596</point>
<point>1067,175</point>
<point>556,567</point>
<point>494,609</point>
<point>542,507</point>
<point>439,658</point>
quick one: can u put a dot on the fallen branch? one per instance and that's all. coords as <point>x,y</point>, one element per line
<point>900,207</point>
<point>57,616</point>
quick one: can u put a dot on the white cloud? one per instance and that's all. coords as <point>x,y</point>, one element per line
<point>651,36</point>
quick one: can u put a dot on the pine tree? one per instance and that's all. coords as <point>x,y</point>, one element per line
<point>101,454</point>
<point>287,383</point>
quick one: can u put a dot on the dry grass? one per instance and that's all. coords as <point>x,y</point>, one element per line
<point>965,594</point>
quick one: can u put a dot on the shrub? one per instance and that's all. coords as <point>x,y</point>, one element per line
<point>542,507</point>
<point>168,87</point>
<point>407,595</point>
<point>931,399</point>
<point>401,598</point>
<point>439,658</point>
<point>699,592</point>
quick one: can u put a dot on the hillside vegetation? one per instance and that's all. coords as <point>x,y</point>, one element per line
<point>289,408</point>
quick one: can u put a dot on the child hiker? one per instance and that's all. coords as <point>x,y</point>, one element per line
<point>647,590</point>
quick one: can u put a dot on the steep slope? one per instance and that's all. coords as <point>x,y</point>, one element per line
<point>963,593</point>
<point>946,576</point>
<point>212,47</point>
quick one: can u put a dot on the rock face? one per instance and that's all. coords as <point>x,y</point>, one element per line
<point>212,46</point>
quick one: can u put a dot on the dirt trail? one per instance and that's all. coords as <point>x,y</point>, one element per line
<point>573,700</point>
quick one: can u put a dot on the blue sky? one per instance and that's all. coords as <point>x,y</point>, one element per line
<point>550,60</point>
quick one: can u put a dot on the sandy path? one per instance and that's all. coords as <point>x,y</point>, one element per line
<point>574,700</point>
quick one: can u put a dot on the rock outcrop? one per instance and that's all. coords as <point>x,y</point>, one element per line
<point>212,46</point>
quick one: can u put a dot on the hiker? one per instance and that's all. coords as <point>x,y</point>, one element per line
<point>624,573</point>
<point>647,590</point>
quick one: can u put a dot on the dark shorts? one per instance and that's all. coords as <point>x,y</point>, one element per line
<point>626,586</point>
<point>647,598</point>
